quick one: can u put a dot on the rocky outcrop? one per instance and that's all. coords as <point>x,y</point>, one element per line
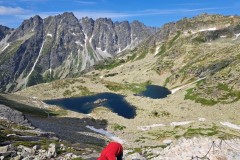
<point>13,116</point>
<point>19,140</point>
<point>198,148</point>
<point>4,31</point>
<point>194,148</point>
<point>41,50</point>
<point>35,152</point>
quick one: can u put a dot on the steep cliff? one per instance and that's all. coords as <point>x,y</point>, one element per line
<point>41,50</point>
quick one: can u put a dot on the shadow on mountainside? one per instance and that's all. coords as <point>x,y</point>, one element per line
<point>71,129</point>
<point>24,108</point>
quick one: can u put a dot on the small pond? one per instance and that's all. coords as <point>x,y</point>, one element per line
<point>155,92</point>
<point>86,104</point>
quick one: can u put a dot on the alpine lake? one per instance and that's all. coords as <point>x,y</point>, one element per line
<point>115,102</point>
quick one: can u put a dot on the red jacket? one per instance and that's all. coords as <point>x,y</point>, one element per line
<point>112,151</point>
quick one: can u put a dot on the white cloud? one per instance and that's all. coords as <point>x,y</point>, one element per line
<point>109,14</point>
<point>116,15</point>
<point>11,10</point>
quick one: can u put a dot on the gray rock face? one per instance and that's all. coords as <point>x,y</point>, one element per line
<point>41,50</point>
<point>12,115</point>
<point>4,31</point>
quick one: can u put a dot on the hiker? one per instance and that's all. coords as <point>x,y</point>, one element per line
<point>112,151</point>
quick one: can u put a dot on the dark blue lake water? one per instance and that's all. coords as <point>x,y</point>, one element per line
<point>115,102</point>
<point>155,92</point>
<point>86,104</point>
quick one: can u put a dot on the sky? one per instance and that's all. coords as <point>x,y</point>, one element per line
<point>151,12</point>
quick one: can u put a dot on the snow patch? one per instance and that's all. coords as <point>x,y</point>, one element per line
<point>106,133</point>
<point>78,43</point>
<point>208,29</point>
<point>39,54</point>
<point>237,35</point>
<point>180,123</point>
<point>50,70</point>
<point>119,50</point>
<point>201,119</point>
<point>179,88</point>
<point>49,35</point>
<point>5,47</point>
<point>45,105</point>
<point>90,39</point>
<point>74,34</point>
<point>224,36</point>
<point>202,30</point>
<point>157,50</point>
<point>145,128</point>
<point>228,124</point>
<point>104,54</point>
<point>167,141</point>
<point>3,118</point>
<point>78,60</point>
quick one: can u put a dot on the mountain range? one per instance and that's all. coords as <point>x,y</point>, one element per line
<point>41,50</point>
<point>196,58</point>
<point>203,47</point>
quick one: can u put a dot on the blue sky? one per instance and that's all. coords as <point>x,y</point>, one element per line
<point>150,12</point>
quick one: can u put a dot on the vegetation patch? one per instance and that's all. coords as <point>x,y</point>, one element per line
<point>208,132</point>
<point>170,43</point>
<point>34,78</point>
<point>65,83</point>
<point>134,87</point>
<point>10,51</point>
<point>196,97</point>
<point>91,51</point>
<point>161,134</point>
<point>49,76</point>
<point>111,75</point>
<point>109,64</point>
<point>222,94</point>
<point>135,150</point>
<point>167,80</point>
<point>47,46</point>
<point>191,132</point>
<point>163,49</point>
<point>143,54</point>
<point>163,66</point>
<point>199,39</point>
<point>140,53</point>
<point>25,108</point>
<point>117,127</point>
<point>77,91</point>
<point>160,113</point>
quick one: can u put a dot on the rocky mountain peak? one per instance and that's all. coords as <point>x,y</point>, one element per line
<point>4,31</point>
<point>87,25</point>
<point>60,46</point>
<point>205,21</point>
<point>26,28</point>
<point>68,17</point>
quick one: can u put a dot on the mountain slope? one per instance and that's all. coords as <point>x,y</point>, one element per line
<point>203,47</point>
<point>4,31</point>
<point>42,50</point>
